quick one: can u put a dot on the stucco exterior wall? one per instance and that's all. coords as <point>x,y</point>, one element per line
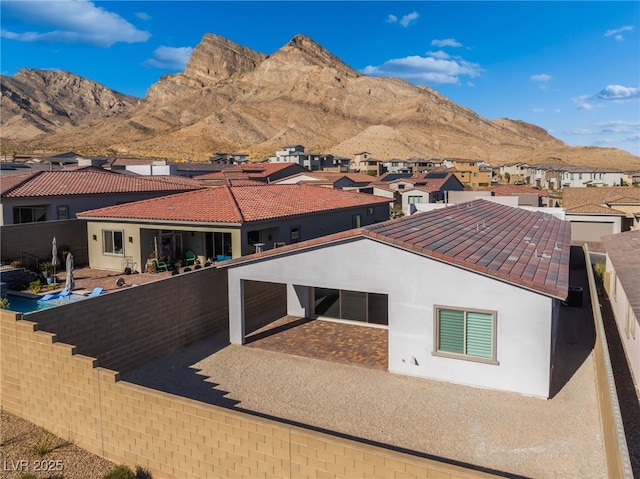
<point>414,284</point>
<point>626,320</point>
<point>76,203</point>
<point>141,244</point>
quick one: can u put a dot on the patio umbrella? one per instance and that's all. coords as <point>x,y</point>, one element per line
<point>69,284</point>
<point>54,257</point>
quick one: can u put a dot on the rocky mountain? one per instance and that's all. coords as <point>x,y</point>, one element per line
<point>231,98</point>
<point>41,101</point>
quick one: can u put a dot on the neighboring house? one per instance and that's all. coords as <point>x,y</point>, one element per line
<point>329,179</point>
<point>221,222</point>
<point>220,158</point>
<point>581,176</point>
<point>365,163</point>
<point>471,173</point>
<point>296,154</point>
<point>60,195</point>
<point>527,196</point>
<point>469,294</point>
<point>621,281</point>
<point>430,190</point>
<point>597,212</point>
<point>419,165</point>
<point>631,178</point>
<point>262,172</point>
<point>396,166</point>
<point>512,172</point>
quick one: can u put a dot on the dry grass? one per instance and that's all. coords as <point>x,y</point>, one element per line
<point>26,447</point>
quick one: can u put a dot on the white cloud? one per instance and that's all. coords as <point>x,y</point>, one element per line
<point>143,16</point>
<point>618,92</point>
<point>417,69</point>
<point>169,58</point>
<point>439,54</point>
<point>405,20</point>
<point>538,110</point>
<point>557,110</point>
<point>612,93</point>
<point>541,77</point>
<point>78,21</point>
<point>619,127</point>
<point>616,33</point>
<point>582,102</point>
<point>447,42</point>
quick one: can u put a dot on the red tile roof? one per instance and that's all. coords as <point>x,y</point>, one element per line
<point>251,170</point>
<point>62,183</point>
<point>237,204</point>
<point>528,249</point>
<point>623,250</point>
<point>9,182</point>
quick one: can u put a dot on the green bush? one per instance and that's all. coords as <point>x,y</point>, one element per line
<point>35,286</point>
<point>4,303</point>
<point>120,472</point>
<point>27,475</point>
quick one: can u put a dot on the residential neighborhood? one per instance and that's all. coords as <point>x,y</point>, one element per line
<point>459,278</point>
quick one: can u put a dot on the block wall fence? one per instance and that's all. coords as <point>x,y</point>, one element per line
<point>57,379</point>
<point>36,238</point>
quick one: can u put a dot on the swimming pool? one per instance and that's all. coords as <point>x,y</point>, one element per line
<point>22,304</point>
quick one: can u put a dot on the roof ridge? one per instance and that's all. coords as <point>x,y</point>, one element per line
<point>28,177</point>
<point>235,202</point>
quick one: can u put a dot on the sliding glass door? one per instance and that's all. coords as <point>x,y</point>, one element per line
<point>352,305</point>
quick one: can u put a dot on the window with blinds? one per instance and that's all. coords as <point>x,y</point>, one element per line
<point>466,333</point>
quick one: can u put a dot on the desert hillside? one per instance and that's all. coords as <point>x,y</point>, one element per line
<point>231,98</point>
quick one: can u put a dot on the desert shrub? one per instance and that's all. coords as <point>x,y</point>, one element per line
<point>120,472</point>
<point>27,475</point>
<point>599,269</point>
<point>44,445</point>
<point>4,303</point>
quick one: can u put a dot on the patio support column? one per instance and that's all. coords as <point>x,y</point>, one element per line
<point>236,310</point>
<point>299,300</point>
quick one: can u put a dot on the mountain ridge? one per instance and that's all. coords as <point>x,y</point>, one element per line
<point>232,98</point>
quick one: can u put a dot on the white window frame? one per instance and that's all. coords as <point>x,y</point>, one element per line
<point>113,242</point>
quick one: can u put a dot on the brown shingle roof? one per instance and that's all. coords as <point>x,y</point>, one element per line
<point>572,197</point>
<point>510,190</point>
<point>624,252</point>
<point>237,204</point>
<point>529,249</point>
<point>591,209</point>
<point>59,183</point>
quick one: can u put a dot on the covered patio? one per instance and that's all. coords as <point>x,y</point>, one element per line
<point>363,346</point>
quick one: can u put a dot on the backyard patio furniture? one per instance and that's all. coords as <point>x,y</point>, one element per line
<point>160,266</point>
<point>189,257</point>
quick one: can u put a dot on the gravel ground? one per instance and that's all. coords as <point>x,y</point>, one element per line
<point>64,461</point>
<point>518,435</point>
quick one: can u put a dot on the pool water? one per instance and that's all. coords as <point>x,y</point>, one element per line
<point>20,304</point>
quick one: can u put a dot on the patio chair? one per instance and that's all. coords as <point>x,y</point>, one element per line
<point>96,292</point>
<point>160,266</point>
<point>189,257</point>
<point>64,293</point>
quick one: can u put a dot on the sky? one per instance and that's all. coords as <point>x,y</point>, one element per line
<point>572,68</point>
